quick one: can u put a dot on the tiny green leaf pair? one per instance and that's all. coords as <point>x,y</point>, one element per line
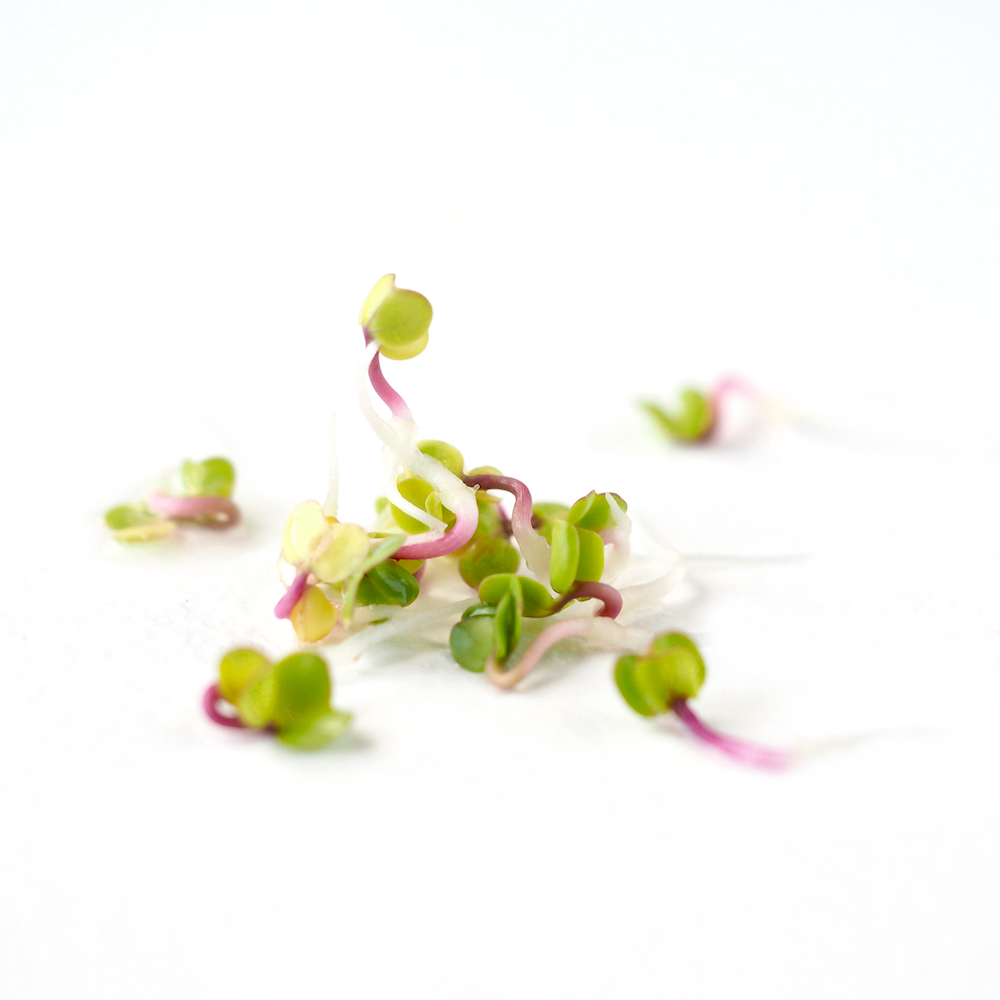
<point>212,478</point>
<point>577,554</point>
<point>494,625</point>
<point>292,696</point>
<point>399,319</point>
<point>691,422</point>
<point>488,628</point>
<point>329,549</point>
<point>485,629</point>
<point>672,668</point>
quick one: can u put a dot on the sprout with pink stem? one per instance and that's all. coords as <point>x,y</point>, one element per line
<point>699,418</point>
<point>665,678</point>
<point>207,487</point>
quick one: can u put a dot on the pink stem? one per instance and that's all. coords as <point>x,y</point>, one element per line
<point>725,386</point>
<point>532,656</point>
<point>210,702</point>
<point>284,607</point>
<point>388,395</point>
<point>213,512</point>
<point>604,592</point>
<point>745,753</point>
<point>461,531</point>
<point>521,515</point>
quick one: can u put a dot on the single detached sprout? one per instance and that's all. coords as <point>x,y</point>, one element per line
<point>290,698</point>
<point>699,417</point>
<point>665,678</point>
<point>207,488</point>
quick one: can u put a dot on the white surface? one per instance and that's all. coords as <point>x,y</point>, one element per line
<point>602,202</point>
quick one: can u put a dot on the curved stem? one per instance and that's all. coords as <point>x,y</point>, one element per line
<point>621,549</point>
<point>745,753</point>
<point>603,592</point>
<point>212,512</point>
<point>461,531</point>
<point>284,607</point>
<point>533,547</point>
<point>507,679</point>
<point>210,702</point>
<point>454,494</point>
<point>388,395</point>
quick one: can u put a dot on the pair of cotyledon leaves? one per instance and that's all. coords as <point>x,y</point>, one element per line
<point>344,556</point>
<point>691,421</point>
<point>671,669</point>
<point>397,318</point>
<point>292,696</point>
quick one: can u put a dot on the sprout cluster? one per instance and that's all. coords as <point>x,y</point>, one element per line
<point>206,489</point>
<point>542,573</point>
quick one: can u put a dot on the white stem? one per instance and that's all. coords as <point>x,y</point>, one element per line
<point>652,590</point>
<point>454,494</point>
<point>402,622</point>
<point>391,471</point>
<point>617,539</point>
<point>333,486</point>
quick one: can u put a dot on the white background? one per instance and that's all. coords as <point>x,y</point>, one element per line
<point>602,201</point>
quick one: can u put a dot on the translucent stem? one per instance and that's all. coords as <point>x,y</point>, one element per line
<point>284,607</point>
<point>726,386</point>
<point>533,547</point>
<point>391,471</point>
<point>621,548</point>
<point>745,753</point>
<point>210,702</point>
<point>333,480</point>
<point>454,494</point>
<point>603,592</point>
<point>532,656</point>
<point>212,512</point>
<point>640,594</point>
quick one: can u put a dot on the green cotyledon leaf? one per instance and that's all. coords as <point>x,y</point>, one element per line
<point>238,670</point>
<point>487,557</point>
<point>388,583</point>
<point>301,689</point>
<point>399,319</point>
<point>471,642</point>
<point>565,556</point>
<point>536,601</point>
<point>212,478</point>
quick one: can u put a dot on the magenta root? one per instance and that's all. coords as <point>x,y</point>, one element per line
<point>603,592</point>
<point>746,753</point>
<point>212,512</point>
<point>284,607</point>
<point>210,702</point>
